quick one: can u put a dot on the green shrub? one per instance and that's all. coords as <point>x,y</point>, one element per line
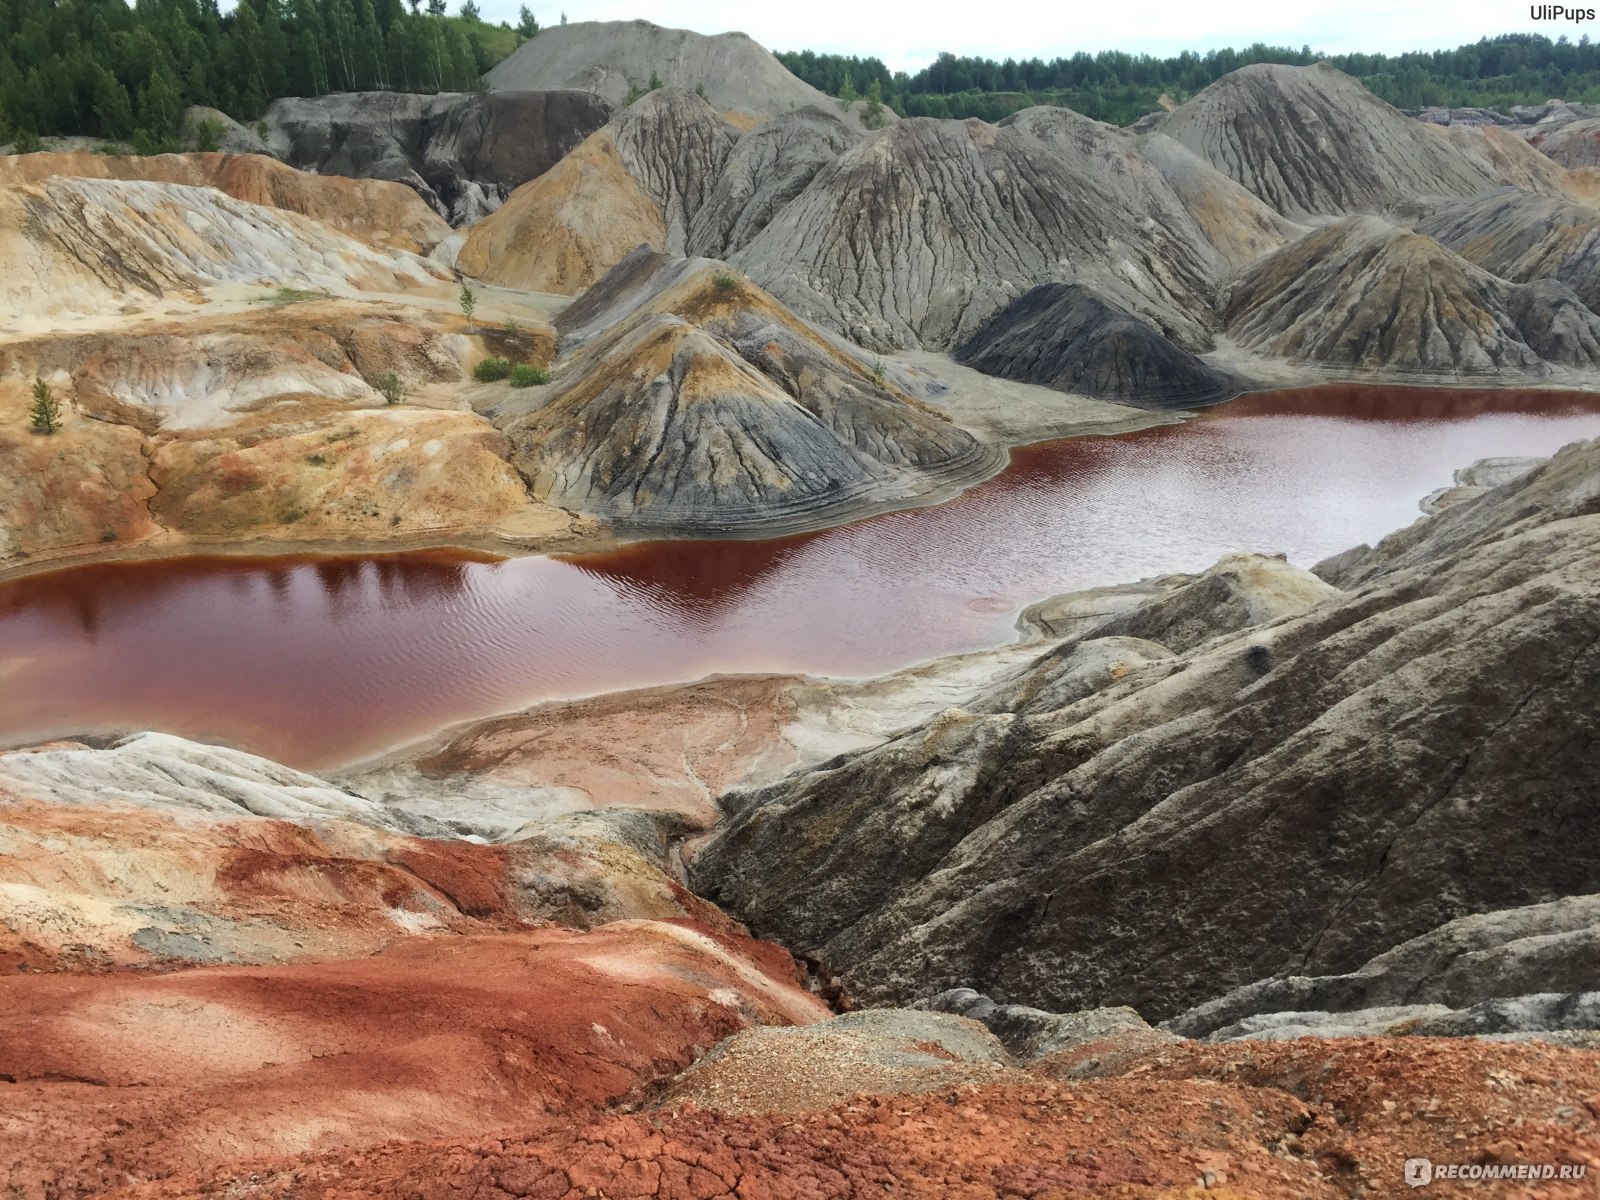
<point>725,282</point>
<point>389,387</point>
<point>27,142</point>
<point>526,375</point>
<point>491,369</point>
<point>207,135</point>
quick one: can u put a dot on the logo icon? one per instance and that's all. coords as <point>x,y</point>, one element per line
<point>1419,1171</point>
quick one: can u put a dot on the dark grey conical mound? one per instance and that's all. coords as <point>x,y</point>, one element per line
<point>1065,337</point>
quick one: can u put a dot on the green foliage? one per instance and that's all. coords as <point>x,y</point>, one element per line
<point>206,135</point>
<point>847,92</point>
<point>470,11</point>
<point>512,328</point>
<point>878,372</point>
<point>700,90</point>
<point>45,416</point>
<point>468,300</point>
<point>527,25</point>
<point>655,81</point>
<point>490,369</point>
<point>107,69</point>
<point>290,296</point>
<point>872,111</point>
<point>144,143</point>
<point>633,95</point>
<point>389,387</point>
<point>526,375</point>
<point>27,142</point>
<point>724,282</point>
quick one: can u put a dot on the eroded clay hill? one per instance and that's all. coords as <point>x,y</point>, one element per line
<point>1365,296</point>
<point>1311,141</point>
<point>641,180</point>
<point>1017,200</point>
<point>463,153</point>
<point>690,401</point>
<point>369,210</point>
<point>614,58</point>
<point>1251,776</point>
<point>75,245</point>
<point>1065,337</point>
<point>1573,144</point>
<point>1525,237</point>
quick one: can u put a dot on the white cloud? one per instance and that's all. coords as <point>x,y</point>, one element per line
<point>908,35</point>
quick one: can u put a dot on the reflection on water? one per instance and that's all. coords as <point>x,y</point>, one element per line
<point>318,661</point>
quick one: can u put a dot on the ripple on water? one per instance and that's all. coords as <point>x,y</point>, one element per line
<point>318,661</point>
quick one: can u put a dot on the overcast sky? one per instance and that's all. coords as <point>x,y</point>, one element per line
<point>907,34</point>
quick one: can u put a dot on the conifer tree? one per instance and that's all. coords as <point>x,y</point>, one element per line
<point>46,412</point>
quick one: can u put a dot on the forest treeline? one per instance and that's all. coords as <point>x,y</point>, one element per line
<point>1114,86</point>
<point>125,72</point>
<point>108,69</point>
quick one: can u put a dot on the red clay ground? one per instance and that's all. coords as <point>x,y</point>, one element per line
<point>1302,1119</point>
<point>1307,1119</point>
<point>116,1077</point>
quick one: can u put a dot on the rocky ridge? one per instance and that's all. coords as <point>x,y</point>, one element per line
<point>977,858</point>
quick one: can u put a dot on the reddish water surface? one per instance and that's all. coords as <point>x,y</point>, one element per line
<point>319,662</point>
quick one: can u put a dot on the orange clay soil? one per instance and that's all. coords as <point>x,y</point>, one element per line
<point>1301,1119</point>
<point>119,1077</point>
